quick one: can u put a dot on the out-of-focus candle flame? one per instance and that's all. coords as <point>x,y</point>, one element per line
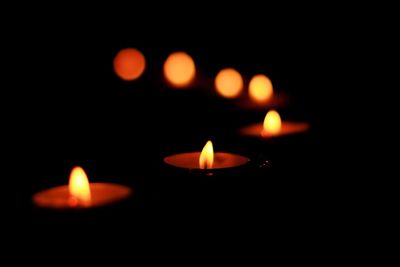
<point>206,159</point>
<point>260,88</point>
<point>129,64</point>
<point>179,69</point>
<point>229,83</point>
<point>79,187</point>
<point>272,123</point>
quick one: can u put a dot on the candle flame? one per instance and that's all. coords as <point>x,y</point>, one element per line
<point>206,159</point>
<point>260,88</point>
<point>79,187</point>
<point>272,123</point>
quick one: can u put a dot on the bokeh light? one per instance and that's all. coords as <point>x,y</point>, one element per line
<point>229,83</point>
<point>260,88</point>
<point>179,69</point>
<point>129,64</point>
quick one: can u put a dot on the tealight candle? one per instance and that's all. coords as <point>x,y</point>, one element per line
<point>80,194</point>
<point>273,126</point>
<point>206,160</point>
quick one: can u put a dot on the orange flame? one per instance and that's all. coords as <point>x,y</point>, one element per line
<point>79,188</point>
<point>260,88</point>
<point>272,123</point>
<point>206,159</point>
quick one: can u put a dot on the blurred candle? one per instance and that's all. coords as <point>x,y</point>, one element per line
<point>260,89</point>
<point>179,69</point>
<point>80,194</point>
<point>229,83</point>
<point>129,64</point>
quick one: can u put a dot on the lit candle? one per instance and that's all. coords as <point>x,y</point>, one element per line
<point>273,126</point>
<point>80,194</point>
<point>206,160</point>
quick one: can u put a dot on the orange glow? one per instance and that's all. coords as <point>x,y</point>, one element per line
<point>206,159</point>
<point>79,188</point>
<point>229,83</point>
<point>179,69</point>
<point>129,64</point>
<point>272,123</point>
<point>260,88</point>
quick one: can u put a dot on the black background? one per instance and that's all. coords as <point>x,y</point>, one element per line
<point>69,108</point>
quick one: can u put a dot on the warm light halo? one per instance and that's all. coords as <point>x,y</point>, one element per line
<point>129,64</point>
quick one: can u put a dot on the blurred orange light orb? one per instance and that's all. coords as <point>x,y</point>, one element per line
<point>229,83</point>
<point>179,69</point>
<point>129,64</point>
<point>260,88</point>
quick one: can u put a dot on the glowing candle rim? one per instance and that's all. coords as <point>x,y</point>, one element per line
<point>58,197</point>
<point>192,160</point>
